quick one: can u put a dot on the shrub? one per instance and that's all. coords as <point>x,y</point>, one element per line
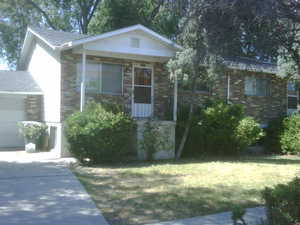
<point>221,129</point>
<point>32,131</point>
<point>290,137</point>
<point>273,133</point>
<point>100,133</point>
<point>282,203</point>
<point>224,129</point>
<point>247,132</point>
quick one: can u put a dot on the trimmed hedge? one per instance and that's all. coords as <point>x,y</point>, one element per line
<point>272,138</point>
<point>290,137</point>
<point>283,135</point>
<point>100,133</point>
<point>221,129</point>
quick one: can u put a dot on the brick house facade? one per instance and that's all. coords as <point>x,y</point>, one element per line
<point>162,87</point>
<point>263,108</point>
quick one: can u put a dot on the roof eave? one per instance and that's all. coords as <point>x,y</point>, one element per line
<point>83,41</point>
<point>22,92</point>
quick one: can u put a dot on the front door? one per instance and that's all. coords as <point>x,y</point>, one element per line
<point>143,92</point>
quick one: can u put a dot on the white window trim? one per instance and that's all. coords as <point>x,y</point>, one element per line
<point>145,66</point>
<point>289,110</point>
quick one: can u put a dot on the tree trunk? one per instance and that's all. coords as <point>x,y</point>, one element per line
<point>186,132</point>
<point>189,121</point>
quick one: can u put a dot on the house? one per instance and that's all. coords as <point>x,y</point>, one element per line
<point>59,72</point>
<point>125,66</point>
<point>253,84</point>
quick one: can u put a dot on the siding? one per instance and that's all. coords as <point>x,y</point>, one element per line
<point>45,68</point>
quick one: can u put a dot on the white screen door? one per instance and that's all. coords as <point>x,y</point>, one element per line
<point>142,95</point>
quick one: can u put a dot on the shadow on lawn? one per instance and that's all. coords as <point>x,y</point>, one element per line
<point>129,198</point>
<point>278,160</point>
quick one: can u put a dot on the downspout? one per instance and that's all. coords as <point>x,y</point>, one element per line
<point>175,97</point>
<point>83,76</point>
<point>228,89</point>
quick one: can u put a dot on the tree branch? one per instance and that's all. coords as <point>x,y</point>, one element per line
<point>46,16</point>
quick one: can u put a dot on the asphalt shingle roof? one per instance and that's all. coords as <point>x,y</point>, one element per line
<point>18,81</point>
<point>57,38</point>
<point>248,64</point>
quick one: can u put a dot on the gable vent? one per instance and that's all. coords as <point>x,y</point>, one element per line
<point>135,42</point>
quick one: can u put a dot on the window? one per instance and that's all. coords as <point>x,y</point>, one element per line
<point>135,42</point>
<point>257,86</point>
<point>102,78</point>
<point>291,86</point>
<point>201,86</point>
<point>292,97</point>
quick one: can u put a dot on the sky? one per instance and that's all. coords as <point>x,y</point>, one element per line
<point>3,65</point>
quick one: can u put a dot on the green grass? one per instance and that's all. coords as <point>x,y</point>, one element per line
<point>141,193</point>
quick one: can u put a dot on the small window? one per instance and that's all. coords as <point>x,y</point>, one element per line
<point>255,86</point>
<point>135,42</point>
<point>292,102</point>
<point>291,86</point>
<point>102,78</point>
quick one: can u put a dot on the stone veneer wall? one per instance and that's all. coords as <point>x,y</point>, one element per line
<point>260,107</point>
<point>70,99</point>
<point>33,107</point>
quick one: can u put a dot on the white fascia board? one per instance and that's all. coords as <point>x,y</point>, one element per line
<point>27,41</point>
<point>21,93</point>
<point>118,32</point>
<point>139,52</point>
<point>43,39</point>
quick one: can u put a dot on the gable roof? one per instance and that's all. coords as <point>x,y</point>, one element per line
<point>59,40</point>
<point>55,38</point>
<point>18,82</point>
<point>122,31</point>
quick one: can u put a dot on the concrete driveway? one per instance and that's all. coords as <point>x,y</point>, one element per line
<point>36,189</point>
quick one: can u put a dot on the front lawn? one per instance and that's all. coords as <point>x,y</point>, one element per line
<point>141,193</point>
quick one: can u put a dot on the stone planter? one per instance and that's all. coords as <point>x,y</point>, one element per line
<point>34,135</point>
<point>166,130</point>
<point>30,146</point>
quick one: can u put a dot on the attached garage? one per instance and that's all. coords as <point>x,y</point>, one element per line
<point>16,88</point>
<point>11,112</point>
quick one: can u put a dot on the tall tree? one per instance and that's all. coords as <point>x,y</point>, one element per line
<point>267,30</point>
<point>65,15</point>
<point>162,16</point>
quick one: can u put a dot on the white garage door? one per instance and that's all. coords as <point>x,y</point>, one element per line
<point>11,112</point>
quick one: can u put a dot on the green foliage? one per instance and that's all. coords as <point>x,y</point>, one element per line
<point>227,124</point>
<point>161,16</point>
<point>17,15</point>
<point>290,137</point>
<point>33,131</point>
<point>247,132</point>
<point>282,203</point>
<point>237,215</point>
<point>153,139</point>
<point>99,133</point>
<point>220,123</point>
<point>273,133</point>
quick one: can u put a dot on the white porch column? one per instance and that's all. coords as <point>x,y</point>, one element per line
<point>175,97</point>
<point>228,89</point>
<point>82,84</point>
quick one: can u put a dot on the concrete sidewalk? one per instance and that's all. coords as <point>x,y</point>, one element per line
<point>42,191</point>
<point>252,217</point>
